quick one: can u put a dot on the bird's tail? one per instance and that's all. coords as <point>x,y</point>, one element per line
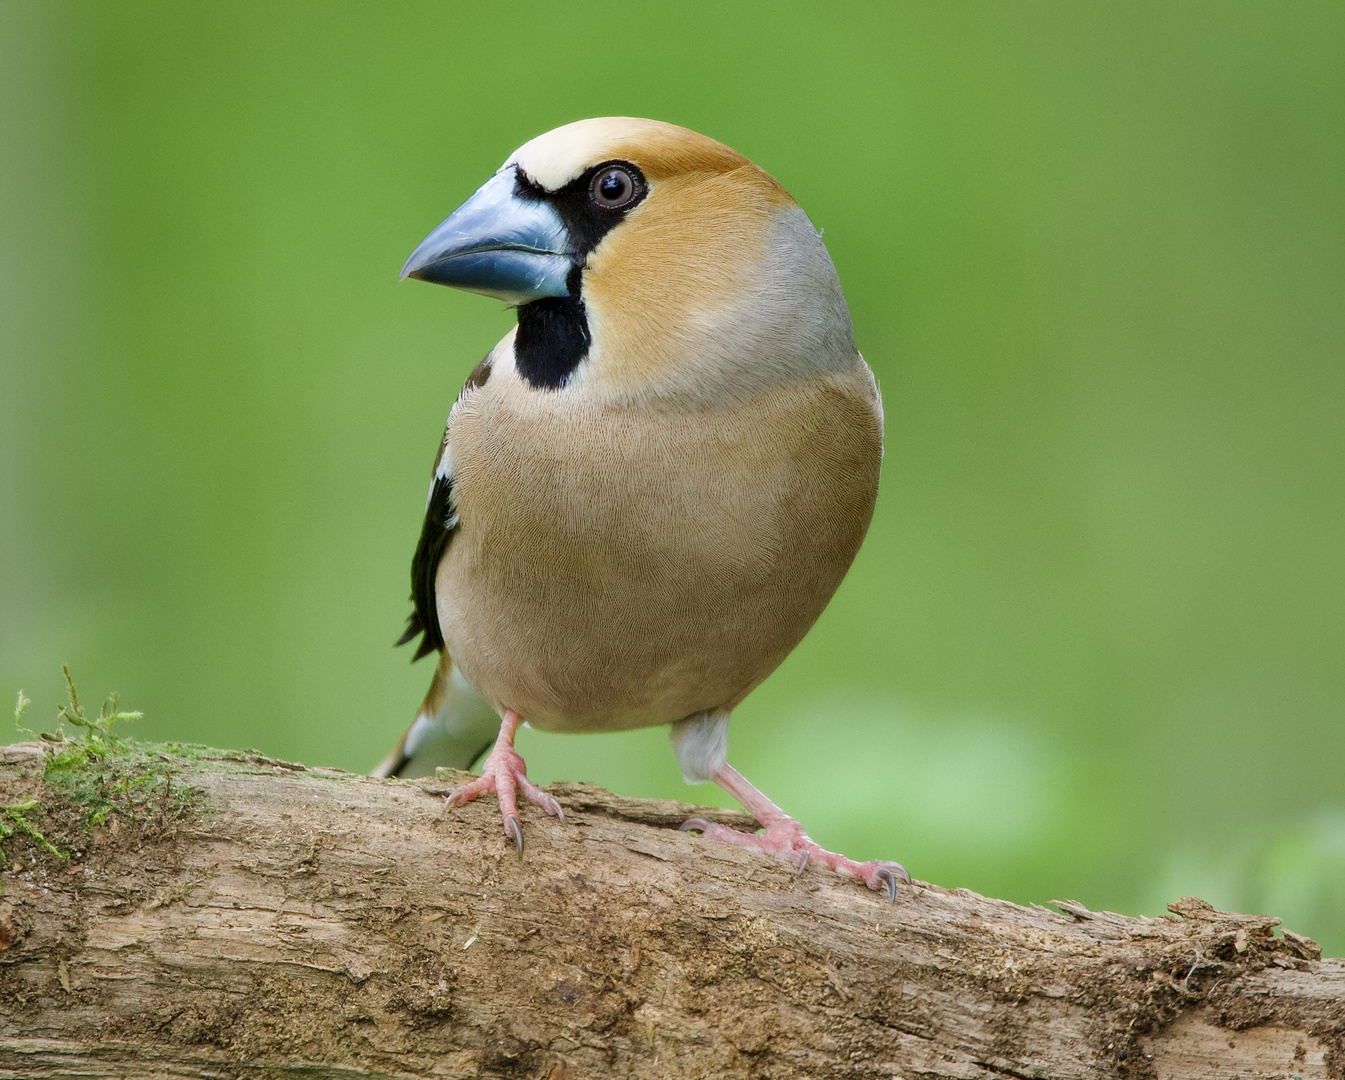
<point>452,728</point>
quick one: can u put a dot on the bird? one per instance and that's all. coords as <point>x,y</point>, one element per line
<point>648,491</point>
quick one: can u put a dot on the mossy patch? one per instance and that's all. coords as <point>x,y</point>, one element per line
<point>94,779</point>
<point>16,818</point>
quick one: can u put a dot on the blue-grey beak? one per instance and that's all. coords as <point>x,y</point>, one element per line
<point>497,244</point>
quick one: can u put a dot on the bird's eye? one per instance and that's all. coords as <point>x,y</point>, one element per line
<point>613,188</point>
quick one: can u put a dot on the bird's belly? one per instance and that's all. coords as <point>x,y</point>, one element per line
<point>615,639</point>
<point>635,581</point>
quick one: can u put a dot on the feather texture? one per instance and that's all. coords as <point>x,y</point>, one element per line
<point>441,520</point>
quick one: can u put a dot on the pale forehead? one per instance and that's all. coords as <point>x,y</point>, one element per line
<point>661,150</point>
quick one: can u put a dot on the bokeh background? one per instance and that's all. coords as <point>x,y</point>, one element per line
<point>1094,644</point>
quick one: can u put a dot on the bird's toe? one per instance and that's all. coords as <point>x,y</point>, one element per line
<point>541,799</point>
<point>786,840</point>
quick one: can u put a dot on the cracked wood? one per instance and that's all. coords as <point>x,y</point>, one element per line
<point>308,922</point>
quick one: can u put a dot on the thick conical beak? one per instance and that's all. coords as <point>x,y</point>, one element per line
<point>497,244</point>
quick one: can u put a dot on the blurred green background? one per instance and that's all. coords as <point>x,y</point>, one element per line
<point>1094,644</point>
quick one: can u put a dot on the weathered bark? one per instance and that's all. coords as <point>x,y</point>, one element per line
<point>308,922</point>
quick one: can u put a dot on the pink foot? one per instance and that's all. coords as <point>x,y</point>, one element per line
<point>784,838</point>
<point>504,773</point>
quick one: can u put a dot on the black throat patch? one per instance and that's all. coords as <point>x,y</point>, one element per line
<point>552,339</point>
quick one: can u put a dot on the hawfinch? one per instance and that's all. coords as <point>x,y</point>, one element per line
<point>649,490</point>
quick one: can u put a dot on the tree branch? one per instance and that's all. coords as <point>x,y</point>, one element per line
<point>294,922</point>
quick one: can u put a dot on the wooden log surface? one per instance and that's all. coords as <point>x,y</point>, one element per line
<point>293,922</point>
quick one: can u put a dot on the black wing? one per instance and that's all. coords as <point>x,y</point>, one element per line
<point>441,520</point>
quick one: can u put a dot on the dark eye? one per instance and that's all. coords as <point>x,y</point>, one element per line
<point>613,188</point>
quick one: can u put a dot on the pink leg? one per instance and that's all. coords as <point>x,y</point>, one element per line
<point>503,772</point>
<point>784,837</point>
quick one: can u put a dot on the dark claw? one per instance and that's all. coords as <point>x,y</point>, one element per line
<point>514,829</point>
<point>697,823</point>
<point>888,875</point>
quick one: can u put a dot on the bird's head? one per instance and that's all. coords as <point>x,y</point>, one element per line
<point>646,260</point>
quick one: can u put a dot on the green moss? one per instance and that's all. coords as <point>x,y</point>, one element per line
<point>92,772</point>
<point>15,818</point>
